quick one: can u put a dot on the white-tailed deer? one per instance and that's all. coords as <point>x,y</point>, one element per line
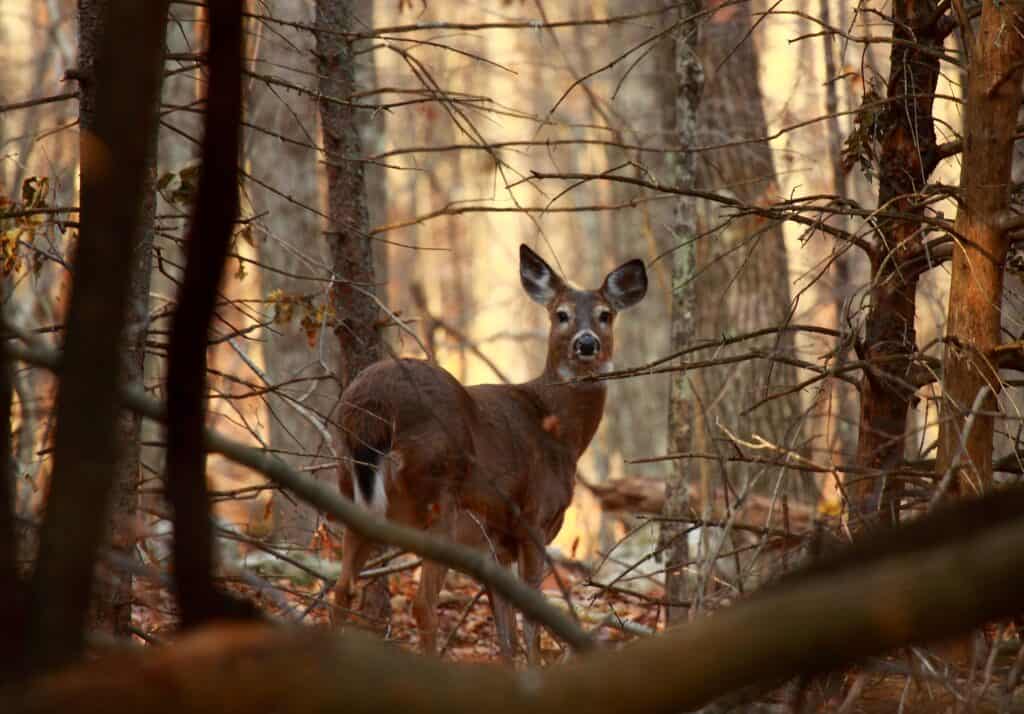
<point>491,466</point>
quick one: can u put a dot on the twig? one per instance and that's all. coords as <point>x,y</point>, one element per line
<point>462,618</point>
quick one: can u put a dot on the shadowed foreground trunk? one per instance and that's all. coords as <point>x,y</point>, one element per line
<point>86,450</point>
<point>112,606</point>
<point>208,241</point>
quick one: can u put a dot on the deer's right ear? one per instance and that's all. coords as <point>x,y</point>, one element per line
<point>539,281</point>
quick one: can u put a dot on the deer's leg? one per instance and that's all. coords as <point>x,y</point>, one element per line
<point>354,551</point>
<point>504,623</point>
<point>424,607</point>
<point>531,569</point>
<point>432,575</point>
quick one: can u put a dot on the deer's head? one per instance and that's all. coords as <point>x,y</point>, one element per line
<point>581,341</point>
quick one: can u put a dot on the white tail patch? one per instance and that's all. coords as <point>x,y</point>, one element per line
<point>379,498</point>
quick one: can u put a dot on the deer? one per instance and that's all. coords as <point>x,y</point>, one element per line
<point>489,466</point>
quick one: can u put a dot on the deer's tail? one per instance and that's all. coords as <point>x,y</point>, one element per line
<point>368,434</point>
<point>368,469</point>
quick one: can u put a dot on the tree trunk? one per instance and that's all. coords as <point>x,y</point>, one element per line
<point>842,413</point>
<point>112,606</point>
<point>126,78</point>
<point>690,83</point>
<point>907,157</point>
<point>353,296</point>
<point>744,272</point>
<point>305,371</point>
<point>206,250</point>
<point>976,288</point>
<point>347,232</point>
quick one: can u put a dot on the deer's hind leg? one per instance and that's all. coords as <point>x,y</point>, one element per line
<point>354,552</point>
<point>432,577</point>
<point>504,625</point>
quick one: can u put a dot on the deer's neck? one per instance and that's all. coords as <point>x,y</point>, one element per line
<point>576,408</point>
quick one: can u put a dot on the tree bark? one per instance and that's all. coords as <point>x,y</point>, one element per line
<point>207,245</point>
<point>86,456</point>
<point>348,229</point>
<point>976,288</point>
<point>353,296</point>
<point>842,408</point>
<point>907,157</point>
<point>689,78</point>
<point>11,588</point>
<point>112,607</point>
<point>744,271</point>
<point>295,235</point>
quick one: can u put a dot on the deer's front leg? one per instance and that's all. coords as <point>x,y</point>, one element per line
<point>531,568</point>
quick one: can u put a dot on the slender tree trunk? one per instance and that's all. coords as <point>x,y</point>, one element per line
<point>12,611</point>
<point>690,83</point>
<point>843,409</point>
<point>907,157</point>
<point>347,233</point>
<point>206,251</point>
<point>112,607</point>
<point>972,327</point>
<point>373,134</point>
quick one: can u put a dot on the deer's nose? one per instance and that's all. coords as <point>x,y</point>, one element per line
<point>587,345</point>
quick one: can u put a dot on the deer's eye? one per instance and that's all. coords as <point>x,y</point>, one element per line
<point>563,316</point>
<point>604,317</point>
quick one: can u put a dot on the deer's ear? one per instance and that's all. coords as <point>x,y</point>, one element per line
<point>626,285</point>
<point>539,281</point>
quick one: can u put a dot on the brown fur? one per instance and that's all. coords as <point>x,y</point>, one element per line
<point>492,466</point>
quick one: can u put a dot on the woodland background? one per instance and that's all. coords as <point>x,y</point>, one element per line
<point>808,183</point>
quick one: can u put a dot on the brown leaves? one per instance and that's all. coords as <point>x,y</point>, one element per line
<point>19,222</point>
<point>313,316</point>
<point>861,145</point>
<point>179,188</point>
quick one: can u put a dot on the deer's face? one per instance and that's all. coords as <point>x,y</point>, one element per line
<point>581,341</point>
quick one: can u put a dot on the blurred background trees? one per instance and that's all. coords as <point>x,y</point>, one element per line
<point>803,179</point>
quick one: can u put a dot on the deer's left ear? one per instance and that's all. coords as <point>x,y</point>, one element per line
<point>626,285</point>
<point>539,281</point>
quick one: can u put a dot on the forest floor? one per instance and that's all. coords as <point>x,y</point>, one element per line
<point>467,632</point>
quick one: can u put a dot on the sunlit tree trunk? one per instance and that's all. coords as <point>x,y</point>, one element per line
<point>689,79</point>
<point>744,274</point>
<point>842,413</point>
<point>970,378</point>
